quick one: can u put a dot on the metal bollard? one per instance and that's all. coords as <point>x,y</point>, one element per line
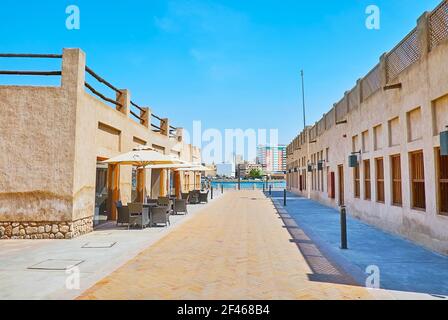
<point>222,188</point>
<point>343,228</point>
<point>264,188</point>
<point>270,189</point>
<point>284,197</point>
<point>239,183</point>
<point>211,193</point>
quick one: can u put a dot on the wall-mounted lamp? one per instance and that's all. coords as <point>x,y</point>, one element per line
<point>320,165</point>
<point>444,143</point>
<point>353,159</point>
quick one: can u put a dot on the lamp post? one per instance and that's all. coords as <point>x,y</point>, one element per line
<point>343,221</point>
<point>307,136</point>
<point>303,98</point>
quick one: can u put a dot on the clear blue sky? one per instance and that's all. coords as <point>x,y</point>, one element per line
<point>231,64</point>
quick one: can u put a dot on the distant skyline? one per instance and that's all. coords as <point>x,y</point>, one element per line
<point>230,64</point>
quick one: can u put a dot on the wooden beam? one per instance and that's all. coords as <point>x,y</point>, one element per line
<point>31,73</point>
<point>30,55</point>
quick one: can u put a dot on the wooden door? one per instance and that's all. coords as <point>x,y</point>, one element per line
<point>331,185</point>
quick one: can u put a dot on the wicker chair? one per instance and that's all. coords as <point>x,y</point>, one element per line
<point>123,215</point>
<point>138,215</point>
<point>151,201</point>
<point>194,197</point>
<point>180,205</point>
<point>203,197</point>
<point>160,215</point>
<point>185,196</point>
<point>163,201</point>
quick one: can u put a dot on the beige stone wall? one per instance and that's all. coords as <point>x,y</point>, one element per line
<point>36,165</point>
<point>51,138</point>
<point>406,120</point>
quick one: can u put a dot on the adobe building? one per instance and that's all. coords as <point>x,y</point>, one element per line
<point>377,151</point>
<point>53,183</point>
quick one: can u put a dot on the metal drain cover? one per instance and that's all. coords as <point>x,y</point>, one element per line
<point>98,245</point>
<point>56,264</point>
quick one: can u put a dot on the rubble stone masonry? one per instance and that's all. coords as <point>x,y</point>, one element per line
<point>45,230</point>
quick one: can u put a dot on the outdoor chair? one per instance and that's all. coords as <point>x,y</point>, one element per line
<point>123,215</point>
<point>185,196</point>
<point>180,205</point>
<point>203,197</point>
<point>165,202</point>
<point>160,215</point>
<point>151,201</point>
<point>138,215</point>
<point>194,197</point>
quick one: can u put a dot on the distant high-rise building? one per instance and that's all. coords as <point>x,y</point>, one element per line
<point>239,159</point>
<point>225,170</point>
<point>273,159</point>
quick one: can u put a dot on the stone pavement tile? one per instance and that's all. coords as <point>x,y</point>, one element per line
<point>407,270</point>
<point>237,248</point>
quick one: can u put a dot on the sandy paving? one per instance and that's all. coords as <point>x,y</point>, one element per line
<point>235,248</point>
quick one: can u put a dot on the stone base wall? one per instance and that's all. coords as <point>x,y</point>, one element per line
<point>46,230</point>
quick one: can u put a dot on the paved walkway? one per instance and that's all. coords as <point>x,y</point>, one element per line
<point>404,266</point>
<point>236,248</point>
<point>36,269</point>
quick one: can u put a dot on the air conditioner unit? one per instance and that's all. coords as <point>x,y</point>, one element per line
<point>444,143</point>
<point>353,161</point>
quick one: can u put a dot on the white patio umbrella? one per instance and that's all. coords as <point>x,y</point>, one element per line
<point>170,166</point>
<point>145,157</point>
<point>194,168</point>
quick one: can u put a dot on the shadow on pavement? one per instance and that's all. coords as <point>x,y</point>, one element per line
<point>322,269</point>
